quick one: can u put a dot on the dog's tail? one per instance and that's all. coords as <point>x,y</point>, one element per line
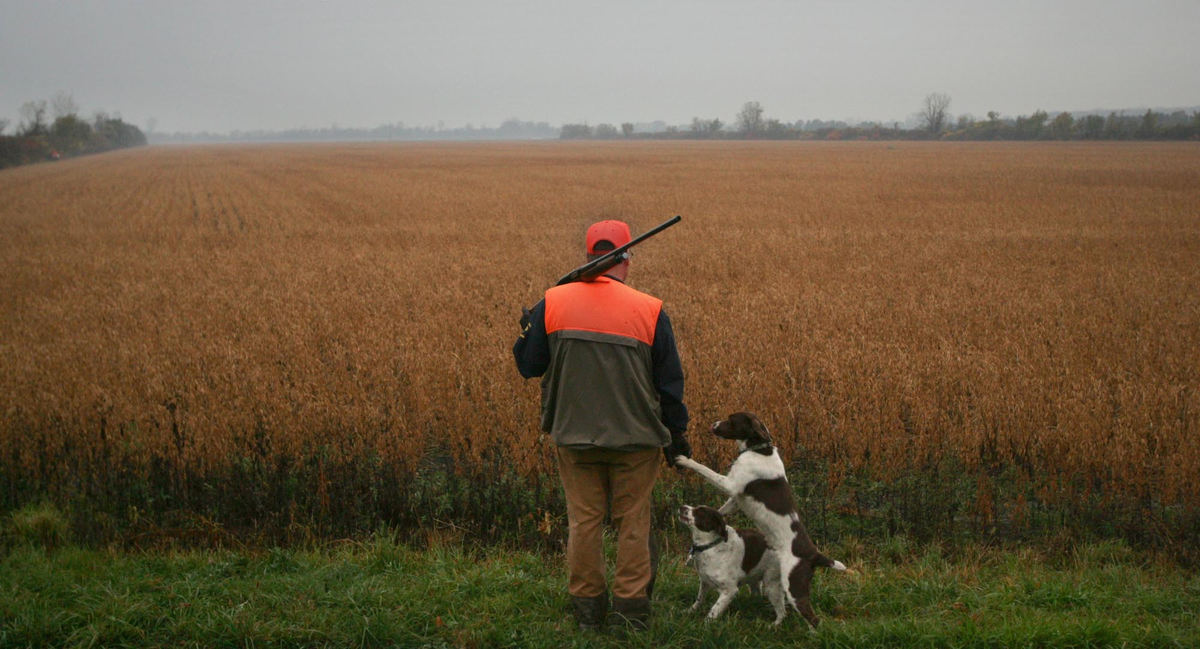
<point>825,562</point>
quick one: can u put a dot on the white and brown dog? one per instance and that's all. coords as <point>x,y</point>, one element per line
<point>757,484</point>
<point>726,558</point>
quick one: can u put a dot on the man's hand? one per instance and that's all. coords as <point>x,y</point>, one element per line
<point>678,447</point>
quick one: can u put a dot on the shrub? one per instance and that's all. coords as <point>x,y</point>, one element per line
<point>39,525</point>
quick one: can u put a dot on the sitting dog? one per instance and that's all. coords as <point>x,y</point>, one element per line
<point>726,558</point>
<point>758,486</point>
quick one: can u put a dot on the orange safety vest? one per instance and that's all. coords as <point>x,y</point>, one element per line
<point>598,391</point>
<point>604,306</point>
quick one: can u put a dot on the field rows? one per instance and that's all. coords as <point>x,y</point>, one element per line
<point>1024,312</point>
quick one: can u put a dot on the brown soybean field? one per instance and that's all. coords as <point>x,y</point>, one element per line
<point>296,342</point>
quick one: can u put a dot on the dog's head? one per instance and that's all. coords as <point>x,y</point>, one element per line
<point>747,430</point>
<point>703,520</point>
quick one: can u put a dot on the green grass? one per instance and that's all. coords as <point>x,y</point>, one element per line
<point>383,594</point>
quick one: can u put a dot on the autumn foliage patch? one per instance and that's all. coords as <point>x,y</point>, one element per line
<point>296,341</point>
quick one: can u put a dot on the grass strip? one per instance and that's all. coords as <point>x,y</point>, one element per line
<point>384,594</point>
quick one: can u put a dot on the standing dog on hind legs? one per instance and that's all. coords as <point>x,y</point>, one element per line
<point>757,484</point>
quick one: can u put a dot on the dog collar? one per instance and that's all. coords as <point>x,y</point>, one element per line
<point>697,549</point>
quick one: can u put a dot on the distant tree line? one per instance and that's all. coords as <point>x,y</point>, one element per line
<point>510,129</point>
<point>1151,125</point>
<point>38,138</point>
<point>932,122</point>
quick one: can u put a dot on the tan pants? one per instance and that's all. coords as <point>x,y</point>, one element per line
<point>592,479</point>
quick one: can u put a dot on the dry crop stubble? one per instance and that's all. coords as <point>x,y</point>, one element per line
<point>886,308</point>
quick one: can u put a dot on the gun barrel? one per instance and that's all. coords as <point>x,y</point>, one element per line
<point>613,257</point>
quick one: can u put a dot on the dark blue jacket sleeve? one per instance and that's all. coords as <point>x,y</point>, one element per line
<point>668,375</point>
<point>532,349</point>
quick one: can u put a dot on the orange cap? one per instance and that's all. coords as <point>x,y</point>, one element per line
<point>615,232</point>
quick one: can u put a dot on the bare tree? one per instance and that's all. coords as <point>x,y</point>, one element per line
<point>1063,126</point>
<point>605,131</point>
<point>63,105</point>
<point>750,119</point>
<point>934,115</point>
<point>3,125</point>
<point>34,115</point>
<point>706,127</point>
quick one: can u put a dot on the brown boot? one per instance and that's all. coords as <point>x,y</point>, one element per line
<point>590,611</point>
<point>630,614</point>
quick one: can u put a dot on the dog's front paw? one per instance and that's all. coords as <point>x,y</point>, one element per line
<point>682,460</point>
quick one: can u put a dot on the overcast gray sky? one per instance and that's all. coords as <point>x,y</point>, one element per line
<point>221,65</point>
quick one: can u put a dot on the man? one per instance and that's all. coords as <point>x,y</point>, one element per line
<point>612,396</point>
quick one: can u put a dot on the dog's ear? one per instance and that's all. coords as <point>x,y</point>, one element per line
<point>719,526</point>
<point>760,428</point>
<point>747,426</point>
<point>739,425</point>
<point>709,520</point>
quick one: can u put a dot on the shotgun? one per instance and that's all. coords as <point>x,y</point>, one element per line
<point>598,266</point>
